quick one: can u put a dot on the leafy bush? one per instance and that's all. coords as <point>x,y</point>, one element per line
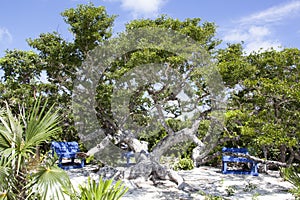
<point>103,190</point>
<point>47,182</point>
<point>20,136</point>
<point>291,174</point>
<point>249,187</point>
<point>230,190</point>
<point>184,164</point>
<point>90,159</point>
<point>209,196</point>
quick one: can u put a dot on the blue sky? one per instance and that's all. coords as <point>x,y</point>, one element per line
<point>260,24</point>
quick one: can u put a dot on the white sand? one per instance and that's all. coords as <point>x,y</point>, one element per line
<point>203,180</point>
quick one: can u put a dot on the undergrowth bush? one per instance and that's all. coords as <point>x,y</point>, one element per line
<point>291,174</point>
<point>184,164</point>
<point>101,190</point>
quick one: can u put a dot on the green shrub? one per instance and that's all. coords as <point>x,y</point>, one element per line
<point>249,187</point>
<point>230,190</point>
<point>21,171</point>
<point>90,159</point>
<point>184,164</point>
<point>209,196</point>
<point>103,190</point>
<point>291,174</point>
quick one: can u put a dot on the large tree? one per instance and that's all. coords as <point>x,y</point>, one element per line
<point>90,26</point>
<point>20,134</point>
<point>158,79</point>
<point>158,76</point>
<point>264,103</point>
<point>21,81</point>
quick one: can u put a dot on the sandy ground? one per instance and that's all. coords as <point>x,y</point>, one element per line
<point>202,181</point>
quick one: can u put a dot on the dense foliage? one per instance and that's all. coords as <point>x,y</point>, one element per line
<point>263,93</point>
<point>264,105</point>
<point>102,190</point>
<point>20,135</point>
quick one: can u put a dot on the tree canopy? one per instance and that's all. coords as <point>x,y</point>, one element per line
<point>260,109</point>
<point>264,108</point>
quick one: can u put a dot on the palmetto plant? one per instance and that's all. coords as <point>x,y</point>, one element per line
<point>19,136</point>
<point>103,190</point>
<point>49,182</point>
<point>7,181</point>
<point>291,174</point>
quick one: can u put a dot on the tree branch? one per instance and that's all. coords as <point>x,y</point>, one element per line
<point>256,159</point>
<point>180,136</point>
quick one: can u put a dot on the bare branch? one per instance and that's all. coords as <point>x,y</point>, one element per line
<point>256,159</point>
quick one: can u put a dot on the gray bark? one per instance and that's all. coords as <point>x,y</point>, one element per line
<point>148,167</point>
<point>259,160</point>
<point>186,134</point>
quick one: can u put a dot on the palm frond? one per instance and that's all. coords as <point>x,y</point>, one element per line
<point>48,183</point>
<point>7,180</point>
<point>291,174</point>
<point>104,189</point>
<point>19,137</point>
<point>11,132</point>
<point>10,128</point>
<point>41,125</point>
<point>5,138</point>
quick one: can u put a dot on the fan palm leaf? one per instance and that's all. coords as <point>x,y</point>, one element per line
<point>11,132</point>
<point>41,124</point>
<point>48,182</point>
<point>7,180</point>
<point>20,140</point>
<point>19,136</point>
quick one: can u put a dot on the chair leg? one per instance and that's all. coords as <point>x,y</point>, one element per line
<point>127,161</point>
<point>224,167</point>
<point>60,162</point>
<point>254,169</point>
<point>82,162</point>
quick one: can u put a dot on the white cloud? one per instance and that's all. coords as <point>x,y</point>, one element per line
<point>236,35</point>
<point>243,34</point>
<point>255,38</point>
<point>273,14</point>
<point>5,36</point>
<point>146,8</point>
<point>257,30</point>
<point>262,45</point>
